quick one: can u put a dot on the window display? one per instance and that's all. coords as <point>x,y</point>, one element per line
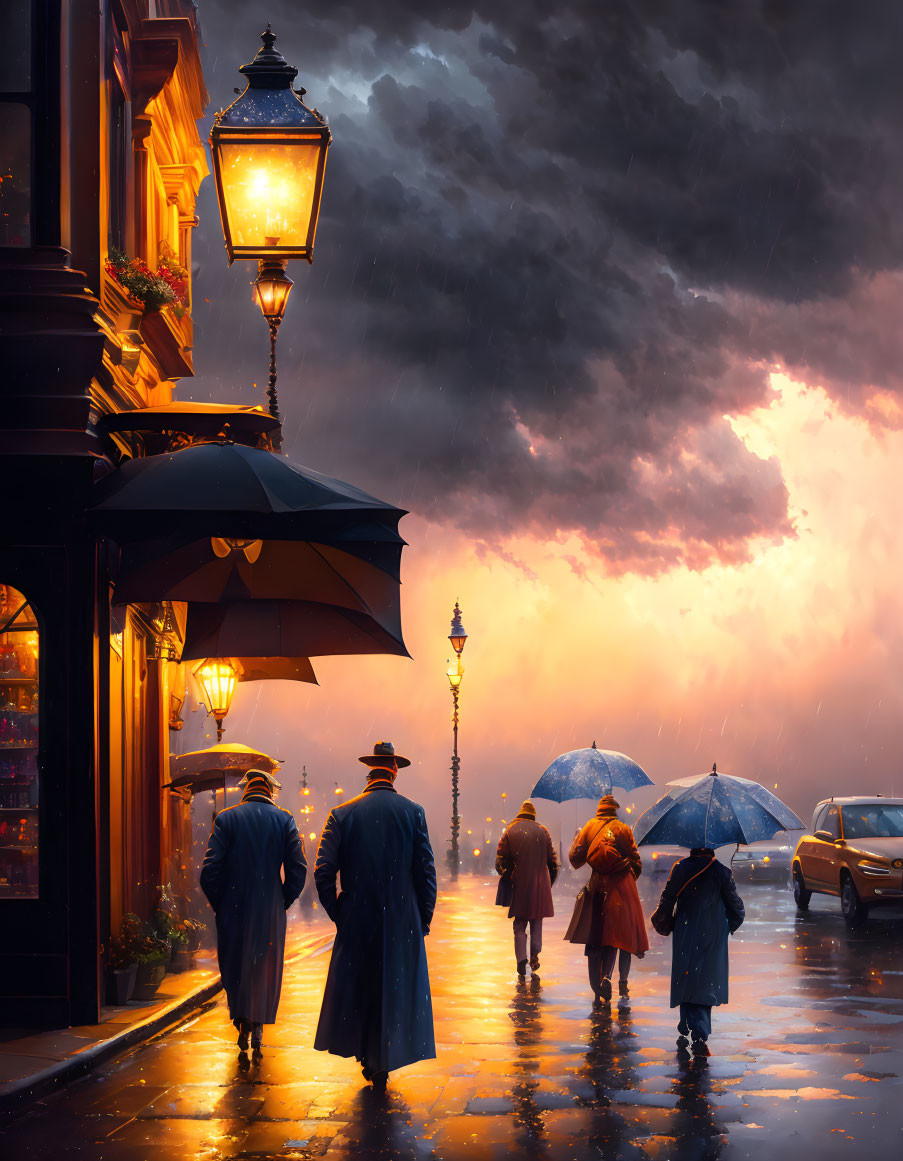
<point>19,781</point>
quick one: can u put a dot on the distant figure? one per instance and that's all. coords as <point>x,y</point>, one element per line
<point>377,1005</point>
<point>526,859</point>
<point>708,908</point>
<point>252,845</point>
<point>608,916</point>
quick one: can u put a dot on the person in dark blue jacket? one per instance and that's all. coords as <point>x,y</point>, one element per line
<point>708,908</point>
<point>250,845</point>
<point>377,1005</point>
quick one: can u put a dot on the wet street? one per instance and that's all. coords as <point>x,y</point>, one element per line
<point>807,1060</point>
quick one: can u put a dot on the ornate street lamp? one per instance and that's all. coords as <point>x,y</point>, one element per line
<point>217,678</point>
<point>269,158</point>
<point>458,635</point>
<point>271,291</point>
<point>455,672</point>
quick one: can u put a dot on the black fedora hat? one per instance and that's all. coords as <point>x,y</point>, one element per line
<point>382,751</point>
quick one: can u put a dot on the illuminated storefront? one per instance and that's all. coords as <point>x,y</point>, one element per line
<point>101,163</point>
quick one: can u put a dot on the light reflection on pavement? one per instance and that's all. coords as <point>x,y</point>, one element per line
<point>807,1060</point>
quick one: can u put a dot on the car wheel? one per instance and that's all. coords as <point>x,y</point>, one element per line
<point>800,894</point>
<point>854,910</point>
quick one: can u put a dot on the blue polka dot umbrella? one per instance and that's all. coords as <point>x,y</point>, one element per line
<point>589,773</point>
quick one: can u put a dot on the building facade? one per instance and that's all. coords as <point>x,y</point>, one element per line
<point>100,164</point>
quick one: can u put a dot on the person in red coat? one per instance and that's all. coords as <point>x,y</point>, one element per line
<point>608,916</point>
<point>526,857</point>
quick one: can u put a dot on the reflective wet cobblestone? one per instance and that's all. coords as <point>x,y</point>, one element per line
<point>807,1060</point>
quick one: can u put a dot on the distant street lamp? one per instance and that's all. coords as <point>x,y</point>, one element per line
<point>455,672</point>
<point>269,159</point>
<point>217,678</point>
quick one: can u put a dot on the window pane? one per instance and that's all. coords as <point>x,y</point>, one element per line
<point>15,59</point>
<point>19,782</point>
<point>15,174</point>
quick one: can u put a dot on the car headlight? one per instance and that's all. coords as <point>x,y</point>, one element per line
<point>897,864</point>
<point>869,868</point>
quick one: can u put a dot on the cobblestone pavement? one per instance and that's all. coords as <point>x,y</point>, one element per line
<point>807,1061</point>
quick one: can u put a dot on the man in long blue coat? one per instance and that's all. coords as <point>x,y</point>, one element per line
<point>708,908</point>
<point>377,1005</point>
<point>252,845</point>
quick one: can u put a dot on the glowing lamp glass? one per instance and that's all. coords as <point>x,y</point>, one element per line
<point>455,673</point>
<point>217,681</point>
<point>270,192</point>
<point>271,291</point>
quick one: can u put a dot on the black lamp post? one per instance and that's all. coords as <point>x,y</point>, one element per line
<point>271,291</point>
<point>455,673</point>
<point>269,158</point>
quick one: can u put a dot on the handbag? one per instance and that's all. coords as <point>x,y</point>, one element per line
<point>505,891</point>
<point>582,915</point>
<point>662,920</point>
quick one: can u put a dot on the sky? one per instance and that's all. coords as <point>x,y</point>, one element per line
<point>608,297</point>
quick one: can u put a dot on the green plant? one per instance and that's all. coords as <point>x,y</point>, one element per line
<point>181,931</point>
<point>168,286</point>
<point>126,945</point>
<point>155,950</point>
<point>136,942</point>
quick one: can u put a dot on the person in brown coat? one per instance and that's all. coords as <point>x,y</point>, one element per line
<point>608,916</point>
<point>526,857</point>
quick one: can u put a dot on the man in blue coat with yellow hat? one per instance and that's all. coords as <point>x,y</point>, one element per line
<point>377,1005</point>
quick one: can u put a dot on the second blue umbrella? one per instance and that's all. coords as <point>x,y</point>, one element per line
<point>717,810</point>
<point>589,773</point>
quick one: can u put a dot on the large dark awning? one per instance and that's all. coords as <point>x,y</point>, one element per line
<point>271,558</point>
<point>229,490</point>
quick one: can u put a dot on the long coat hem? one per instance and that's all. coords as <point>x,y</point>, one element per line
<point>249,845</point>
<point>706,912</point>
<point>376,1004</point>
<point>526,853</point>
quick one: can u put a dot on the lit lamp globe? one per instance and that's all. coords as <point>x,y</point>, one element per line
<point>458,635</point>
<point>455,673</point>
<point>269,158</point>
<point>216,678</point>
<point>271,290</point>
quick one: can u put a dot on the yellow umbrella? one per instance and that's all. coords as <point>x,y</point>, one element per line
<point>208,769</point>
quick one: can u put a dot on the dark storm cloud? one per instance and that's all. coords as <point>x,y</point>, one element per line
<point>559,246</point>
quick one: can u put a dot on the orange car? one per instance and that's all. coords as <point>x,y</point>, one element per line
<point>855,851</point>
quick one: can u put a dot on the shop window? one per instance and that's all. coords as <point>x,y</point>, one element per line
<point>15,60</point>
<point>15,174</point>
<point>15,127</point>
<point>119,133</point>
<point>19,781</point>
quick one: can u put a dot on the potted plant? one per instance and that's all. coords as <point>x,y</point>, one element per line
<point>122,960</point>
<point>152,959</point>
<point>183,935</point>
<point>194,930</point>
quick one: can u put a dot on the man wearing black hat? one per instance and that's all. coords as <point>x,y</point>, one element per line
<point>377,1005</point>
<point>250,845</point>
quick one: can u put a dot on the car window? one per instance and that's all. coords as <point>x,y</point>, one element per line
<point>819,818</point>
<point>873,821</point>
<point>831,822</point>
